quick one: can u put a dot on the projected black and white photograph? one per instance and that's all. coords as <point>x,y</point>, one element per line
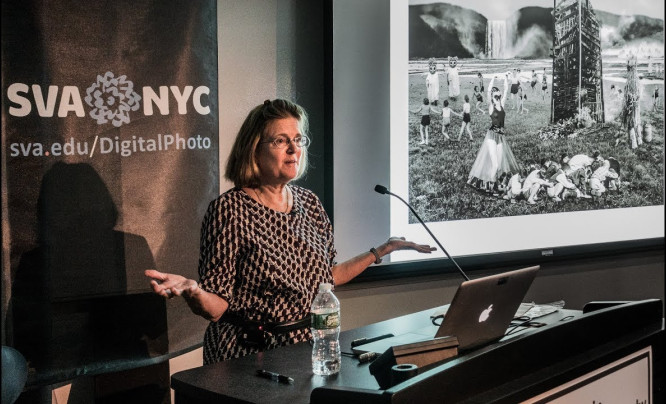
<point>520,108</point>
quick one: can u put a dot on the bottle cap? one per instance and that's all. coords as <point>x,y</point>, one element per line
<point>325,286</point>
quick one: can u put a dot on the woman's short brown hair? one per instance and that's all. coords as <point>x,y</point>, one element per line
<point>242,168</point>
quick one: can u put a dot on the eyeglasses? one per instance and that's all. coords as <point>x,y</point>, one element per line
<point>282,142</point>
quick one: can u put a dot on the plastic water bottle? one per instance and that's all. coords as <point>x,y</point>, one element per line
<point>325,327</point>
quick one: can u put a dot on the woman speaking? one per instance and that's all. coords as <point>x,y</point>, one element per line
<point>266,244</point>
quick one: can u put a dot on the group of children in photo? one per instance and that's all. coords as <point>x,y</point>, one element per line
<point>429,106</point>
<point>431,101</point>
<point>427,109</point>
<point>579,176</point>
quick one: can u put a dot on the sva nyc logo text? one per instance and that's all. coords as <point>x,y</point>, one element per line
<point>109,98</point>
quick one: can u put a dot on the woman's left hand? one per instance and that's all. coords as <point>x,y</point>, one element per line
<point>399,243</point>
<point>346,271</point>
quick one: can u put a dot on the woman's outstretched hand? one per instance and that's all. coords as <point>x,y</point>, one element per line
<point>399,243</point>
<point>170,285</point>
<point>207,305</point>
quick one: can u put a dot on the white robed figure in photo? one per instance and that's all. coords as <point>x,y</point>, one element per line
<point>432,82</point>
<point>453,77</point>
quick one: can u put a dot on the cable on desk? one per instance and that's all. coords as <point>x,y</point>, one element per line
<point>525,322</point>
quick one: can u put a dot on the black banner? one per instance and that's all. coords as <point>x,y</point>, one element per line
<point>110,157</point>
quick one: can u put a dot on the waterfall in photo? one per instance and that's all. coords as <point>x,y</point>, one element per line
<point>499,38</point>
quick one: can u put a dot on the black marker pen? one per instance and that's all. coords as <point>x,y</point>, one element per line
<point>362,341</point>
<point>274,376</point>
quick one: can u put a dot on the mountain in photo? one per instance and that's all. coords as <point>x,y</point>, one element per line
<point>441,29</point>
<point>620,30</point>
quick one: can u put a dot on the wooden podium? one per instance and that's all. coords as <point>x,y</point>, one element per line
<point>420,354</point>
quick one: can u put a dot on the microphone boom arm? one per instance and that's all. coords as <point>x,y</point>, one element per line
<point>429,232</point>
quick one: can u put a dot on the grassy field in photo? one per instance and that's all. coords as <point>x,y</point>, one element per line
<point>438,171</point>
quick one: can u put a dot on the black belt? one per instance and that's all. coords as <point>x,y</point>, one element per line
<point>275,328</point>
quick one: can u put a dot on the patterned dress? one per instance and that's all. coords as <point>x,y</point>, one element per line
<point>266,264</point>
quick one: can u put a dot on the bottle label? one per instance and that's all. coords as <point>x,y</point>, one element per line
<point>325,321</point>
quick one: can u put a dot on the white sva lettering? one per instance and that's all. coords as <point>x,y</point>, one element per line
<point>26,149</point>
<point>45,109</point>
<point>14,92</point>
<point>71,101</point>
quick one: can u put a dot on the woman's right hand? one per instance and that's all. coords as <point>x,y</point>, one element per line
<point>170,285</point>
<point>207,305</point>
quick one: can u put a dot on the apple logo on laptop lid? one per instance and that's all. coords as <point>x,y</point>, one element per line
<point>485,314</point>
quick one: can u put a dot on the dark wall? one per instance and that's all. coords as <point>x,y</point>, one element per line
<point>302,75</point>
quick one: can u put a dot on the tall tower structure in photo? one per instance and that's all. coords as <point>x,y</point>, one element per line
<point>577,70</point>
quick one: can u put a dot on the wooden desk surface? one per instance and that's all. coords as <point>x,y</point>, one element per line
<point>235,381</point>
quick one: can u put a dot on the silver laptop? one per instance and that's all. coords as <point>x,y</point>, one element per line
<point>480,312</point>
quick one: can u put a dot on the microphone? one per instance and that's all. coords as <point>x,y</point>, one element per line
<point>383,190</point>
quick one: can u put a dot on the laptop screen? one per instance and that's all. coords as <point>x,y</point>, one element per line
<point>480,312</point>
<point>483,308</point>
